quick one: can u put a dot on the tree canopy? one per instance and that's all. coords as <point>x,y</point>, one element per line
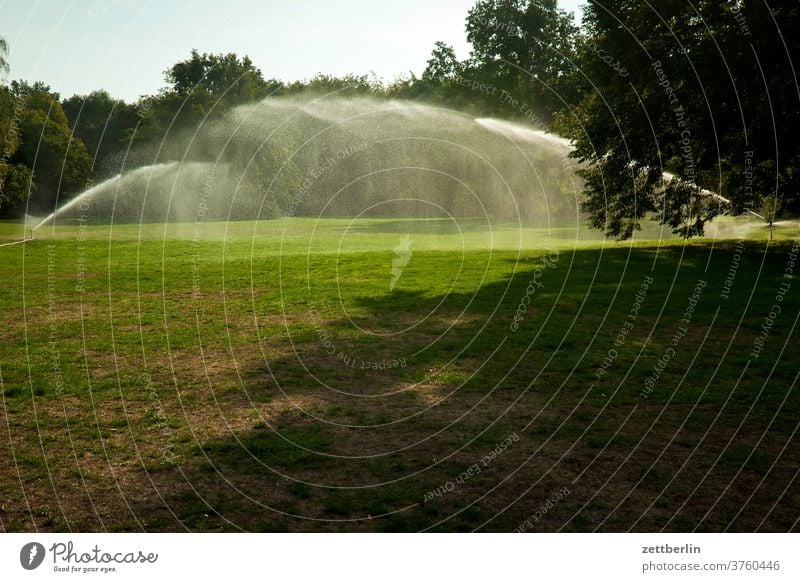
<point>525,46</point>
<point>15,178</point>
<point>59,162</point>
<point>100,121</point>
<point>702,90</point>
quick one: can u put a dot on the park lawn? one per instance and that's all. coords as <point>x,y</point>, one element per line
<point>263,376</point>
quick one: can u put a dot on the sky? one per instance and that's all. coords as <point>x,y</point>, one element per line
<point>124,46</point>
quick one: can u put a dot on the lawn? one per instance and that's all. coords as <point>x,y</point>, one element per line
<point>396,375</point>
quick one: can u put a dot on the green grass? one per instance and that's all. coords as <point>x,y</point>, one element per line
<point>264,377</point>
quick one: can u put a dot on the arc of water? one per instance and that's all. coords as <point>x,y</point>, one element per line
<point>101,186</point>
<point>528,134</point>
<point>76,200</point>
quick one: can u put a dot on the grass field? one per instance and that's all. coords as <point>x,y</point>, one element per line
<point>281,375</point>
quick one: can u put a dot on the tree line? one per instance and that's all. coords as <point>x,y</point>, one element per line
<point>706,91</point>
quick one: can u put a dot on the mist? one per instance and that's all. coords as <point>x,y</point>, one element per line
<point>342,157</point>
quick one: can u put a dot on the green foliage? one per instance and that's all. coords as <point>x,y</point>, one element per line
<point>208,84</point>
<point>16,180</point>
<point>680,88</point>
<point>407,87</point>
<point>346,86</point>
<point>201,88</point>
<point>100,121</point>
<point>159,114</point>
<point>59,161</point>
<point>444,81</point>
<point>525,46</point>
<point>210,78</point>
<point>443,66</point>
<point>520,52</point>
<point>10,110</point>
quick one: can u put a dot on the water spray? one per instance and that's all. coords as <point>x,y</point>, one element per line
<point>336,157</point>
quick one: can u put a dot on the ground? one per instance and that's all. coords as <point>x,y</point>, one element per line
<point>277,376</point>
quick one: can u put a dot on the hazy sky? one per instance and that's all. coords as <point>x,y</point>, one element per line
<point>124,46</point>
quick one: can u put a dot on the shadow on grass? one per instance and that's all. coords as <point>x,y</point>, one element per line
<point>368,415</point>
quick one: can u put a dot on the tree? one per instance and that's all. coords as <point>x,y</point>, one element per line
<point>689,88</point>
<point>348,85</point>
<point>10,111</point>
<point>59,161</point>
<point>445,80</point>
<point>443,66</point>
<point>16,181</point>
<point>100,121</point>
<point>521,51</point>
<point>408,87</point>
<point>15,178</point>
<point>525,47</point>
<point>201,88</point>
<point>208,79</point>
